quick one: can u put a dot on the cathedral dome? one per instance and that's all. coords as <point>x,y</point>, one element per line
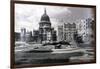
<point>45,17</point>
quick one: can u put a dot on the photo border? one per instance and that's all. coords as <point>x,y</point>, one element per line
<point>12,36</point>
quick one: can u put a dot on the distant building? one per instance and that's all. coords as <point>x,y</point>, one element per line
<point>84,29</point>
<point>23,34</point>
<point>17,36</point>
<point>54,36</point>
<point>46,32</point>
<point>36,36</point>
<point>28,36</point>
<point>60,33</point>
<point>66,32</point>
<point>69,30</point>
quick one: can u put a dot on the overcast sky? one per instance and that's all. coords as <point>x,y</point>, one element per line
<point>28,16</point>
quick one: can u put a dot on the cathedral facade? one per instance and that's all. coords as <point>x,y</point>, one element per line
<point>46,32</point>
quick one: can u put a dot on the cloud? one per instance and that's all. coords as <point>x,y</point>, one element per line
<point>29,16</point>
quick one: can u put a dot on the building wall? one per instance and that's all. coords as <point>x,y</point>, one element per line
<point>66,32</point>
<point>69,30</point>
<point>84,28</point>
<point>23,34</point>
<point>60,33</point>
<point>17,36</point>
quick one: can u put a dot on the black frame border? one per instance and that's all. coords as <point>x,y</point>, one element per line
<point>12,34</point>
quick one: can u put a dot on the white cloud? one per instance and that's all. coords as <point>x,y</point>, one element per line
<point>28,16</point>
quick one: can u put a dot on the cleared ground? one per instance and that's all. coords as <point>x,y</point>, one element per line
<point>24,56</point>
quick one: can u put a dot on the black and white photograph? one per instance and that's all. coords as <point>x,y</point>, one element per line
<point>53,34</point>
